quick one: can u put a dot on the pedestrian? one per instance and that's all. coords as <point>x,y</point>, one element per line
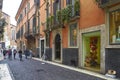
<point>1,55</point>
<point>26,53</point>
<point>10,54</point>
<point>30,53</point>
<point>14,52</point>
<point>4,53</point>
<point>20,54</point>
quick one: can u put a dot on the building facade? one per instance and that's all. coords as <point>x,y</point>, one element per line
<point>6,34</point>
<point>76,34</point>
<point>9,34</point>
<point>13,36</point>
<point>112,23</point>
<point>28,26</point>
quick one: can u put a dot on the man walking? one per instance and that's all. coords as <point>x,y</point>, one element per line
<point>14,52</point>
<point>20,54</point>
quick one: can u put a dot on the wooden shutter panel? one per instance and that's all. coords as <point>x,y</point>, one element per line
<point>54,11</point>
<point>68,2</point>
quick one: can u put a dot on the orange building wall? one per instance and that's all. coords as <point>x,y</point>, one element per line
<point>65,37</point>
<point>90,14</point>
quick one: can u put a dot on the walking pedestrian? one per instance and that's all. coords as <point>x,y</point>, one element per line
<point>14,52</point>
<point>1,55</point>
<point>4,53</point>
<point>20,54</point>
<point>30,52</point>
<point>26,53</point>
<point>10,54</point>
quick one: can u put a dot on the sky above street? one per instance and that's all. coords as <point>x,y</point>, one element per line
<point>10,7</point>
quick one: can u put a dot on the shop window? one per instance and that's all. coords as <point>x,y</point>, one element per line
<point>114,26</point>
<point>73,35</point>
<point>91,51</point>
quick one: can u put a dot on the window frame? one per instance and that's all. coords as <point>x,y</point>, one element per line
<point>69,41</point>
<point>110,12</point>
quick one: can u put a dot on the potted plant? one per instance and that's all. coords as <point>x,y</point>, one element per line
<point>63,15</point>
<point>51,20</point>
<point>77,7</point>
<point>68,12</point>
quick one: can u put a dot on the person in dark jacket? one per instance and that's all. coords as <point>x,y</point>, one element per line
<point>20,54</point>
<point>10,54</point>
<point>26,53</point>
<point>14,52</point>
<point>4,53</point>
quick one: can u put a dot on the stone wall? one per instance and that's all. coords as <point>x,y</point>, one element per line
<point>112,60</point>
<point>70,56</point>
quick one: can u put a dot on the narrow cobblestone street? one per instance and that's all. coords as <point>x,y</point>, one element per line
<point>30,69</point>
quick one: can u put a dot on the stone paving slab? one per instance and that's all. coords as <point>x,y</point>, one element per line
<point>5,73</point>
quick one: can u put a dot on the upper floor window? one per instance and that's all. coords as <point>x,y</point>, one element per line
<point>68,2</point>
<point>19,18</point>
<point>56,7</point>
<point>114,26</point>
<point>13,34</point>
<point>28,6</point>
<point>34,24</point>
<point>25,10</point>
<point>28,26</point>
<point>21,31</point>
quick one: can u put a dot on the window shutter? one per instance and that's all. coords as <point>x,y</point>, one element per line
<point>68,2</point>
<point>54,11</point>
<point>60,4</point>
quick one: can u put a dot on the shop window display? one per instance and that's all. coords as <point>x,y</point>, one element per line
<point>91,58</point>
<point>114,26</point>
<point>91,51</point>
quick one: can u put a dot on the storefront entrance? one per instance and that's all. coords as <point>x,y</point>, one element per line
<point>57,47</point>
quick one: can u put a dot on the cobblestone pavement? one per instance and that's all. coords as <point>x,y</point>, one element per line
<point>30,69</point>
<point>5,73</point>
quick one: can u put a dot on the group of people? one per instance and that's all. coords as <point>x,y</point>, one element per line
<point>9,53</point>
<point>14,52</point>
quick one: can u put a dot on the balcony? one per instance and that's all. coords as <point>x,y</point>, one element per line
<point>29,34</point>
<point>64,16</point>
<point>107,3</point>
